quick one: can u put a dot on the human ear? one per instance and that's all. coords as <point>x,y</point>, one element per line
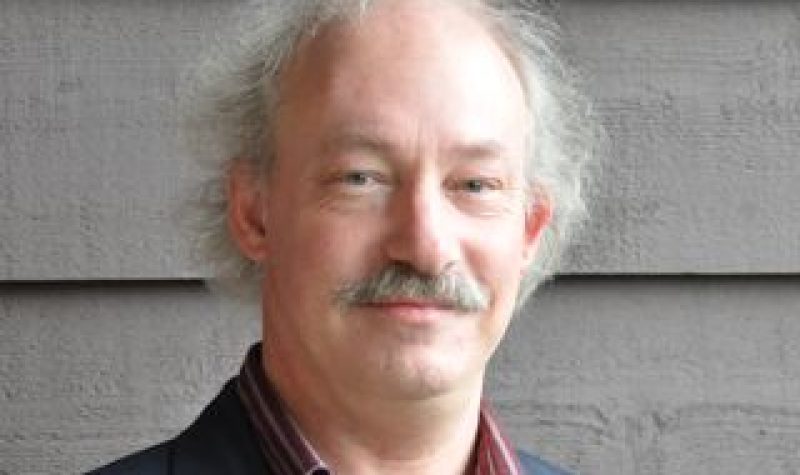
<point>246,213</point>
<point>538,214</point>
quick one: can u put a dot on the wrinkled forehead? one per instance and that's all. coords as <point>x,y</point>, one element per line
<point>437,57</point>
<point>391,28</point>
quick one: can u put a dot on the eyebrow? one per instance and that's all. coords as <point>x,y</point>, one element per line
<point>481,150</point>
<point>359,139</point>
<point>375,143</point>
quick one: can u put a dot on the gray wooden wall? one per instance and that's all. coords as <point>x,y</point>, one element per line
<point>672,345</point>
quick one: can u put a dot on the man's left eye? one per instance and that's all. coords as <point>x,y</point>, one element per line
<point>475,186</point>
<point>358,178</point>
<point>479,185</point>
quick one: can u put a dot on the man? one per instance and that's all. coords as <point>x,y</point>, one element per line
<point>395,170</point>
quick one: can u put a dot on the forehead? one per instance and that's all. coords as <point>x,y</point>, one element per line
<point>407,65</point>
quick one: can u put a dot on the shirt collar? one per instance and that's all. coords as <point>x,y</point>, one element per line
<point>288,452</point>
<point>285,449</point>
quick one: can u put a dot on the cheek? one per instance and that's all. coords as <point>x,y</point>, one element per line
<point>497,259</point>
<point>323,251</point>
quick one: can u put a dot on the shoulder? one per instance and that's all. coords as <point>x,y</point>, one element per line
<point>219,441</point>
<point>533,465</point>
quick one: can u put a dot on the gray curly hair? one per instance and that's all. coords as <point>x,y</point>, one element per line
<point>229,112</point>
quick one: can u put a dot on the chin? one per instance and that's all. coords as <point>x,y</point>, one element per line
<point>424,376</point>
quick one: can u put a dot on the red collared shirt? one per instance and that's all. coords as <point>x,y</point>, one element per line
<point>288,452</point>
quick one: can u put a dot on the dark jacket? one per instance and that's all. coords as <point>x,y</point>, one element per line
<point>221,441</point>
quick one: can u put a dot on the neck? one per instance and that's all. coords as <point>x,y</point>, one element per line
<point>360,432</point>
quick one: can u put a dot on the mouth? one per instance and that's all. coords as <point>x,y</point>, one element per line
<point>411,311</point>
<point>412,303</point>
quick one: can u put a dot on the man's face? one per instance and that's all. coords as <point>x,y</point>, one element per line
<point>400,140</point>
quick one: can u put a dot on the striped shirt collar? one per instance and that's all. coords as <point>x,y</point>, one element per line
<point>288,452</point>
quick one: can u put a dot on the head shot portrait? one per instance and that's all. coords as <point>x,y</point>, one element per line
<point>477,237</point>
<point>389,180</point>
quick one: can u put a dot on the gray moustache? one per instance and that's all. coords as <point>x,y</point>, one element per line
<point>401,281</point>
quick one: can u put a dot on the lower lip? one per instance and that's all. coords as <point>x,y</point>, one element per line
<point>412,313</point>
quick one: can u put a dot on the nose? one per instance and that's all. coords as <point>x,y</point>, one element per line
<point>423,232</point>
